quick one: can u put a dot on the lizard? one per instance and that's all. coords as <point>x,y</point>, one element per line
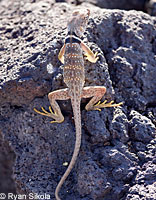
<point>71,55</point>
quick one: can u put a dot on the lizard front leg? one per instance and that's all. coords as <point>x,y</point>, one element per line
<point>56,114</point>
<point>61,54</point>
<point>90,56</point>
<point>96,92</point>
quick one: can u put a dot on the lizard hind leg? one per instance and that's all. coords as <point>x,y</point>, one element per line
<point>97,92</point>
<point>57,114</point>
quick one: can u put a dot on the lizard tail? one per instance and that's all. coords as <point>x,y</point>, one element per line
<point>77,119</point>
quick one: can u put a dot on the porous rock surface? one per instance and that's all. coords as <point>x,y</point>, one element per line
<point>117,158</point>
<point>118,4</point>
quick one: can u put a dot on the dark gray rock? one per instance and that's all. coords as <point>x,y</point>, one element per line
<point>118,4</point>
<point>144,183</point>
<point>117,166</point>
<point>114,157</point>
<point>96,183</point>
<point>7,158</point>
<point>151,7</point>
<point>141,128</point>
<point>119,126</point>
<point>96,128</point>
<point>131,66</point>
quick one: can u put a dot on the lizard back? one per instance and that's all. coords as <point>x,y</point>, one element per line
<point>74,75</point>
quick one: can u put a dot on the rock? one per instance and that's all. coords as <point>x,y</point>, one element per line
<point>124,4</point>
<point>119,126</point>
<point>142,129</point>
<point>7,159</point>
<point>96,128</point>
<point>114,166</point>
<point>144,184</point>
<point>96,183</point>
<point>151,7</point>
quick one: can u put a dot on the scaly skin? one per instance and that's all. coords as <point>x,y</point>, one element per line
<point>71,55</point>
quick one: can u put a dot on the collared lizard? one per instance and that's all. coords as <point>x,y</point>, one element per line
<point>71,55</point>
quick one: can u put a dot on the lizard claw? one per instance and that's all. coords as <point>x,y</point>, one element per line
<point>98,109</point>
<point>50,114</point>
<point>104,105</point>
<point>56,121</point>
<point>45,113</point>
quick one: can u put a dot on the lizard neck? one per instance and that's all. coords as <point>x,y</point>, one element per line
<point>72,38</point>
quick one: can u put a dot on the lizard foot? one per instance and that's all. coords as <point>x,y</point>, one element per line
<point>100,105</point>
<point>91,57</point>
<point>51,114</point>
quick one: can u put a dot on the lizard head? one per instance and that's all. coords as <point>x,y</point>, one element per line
<point>77,24</point>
